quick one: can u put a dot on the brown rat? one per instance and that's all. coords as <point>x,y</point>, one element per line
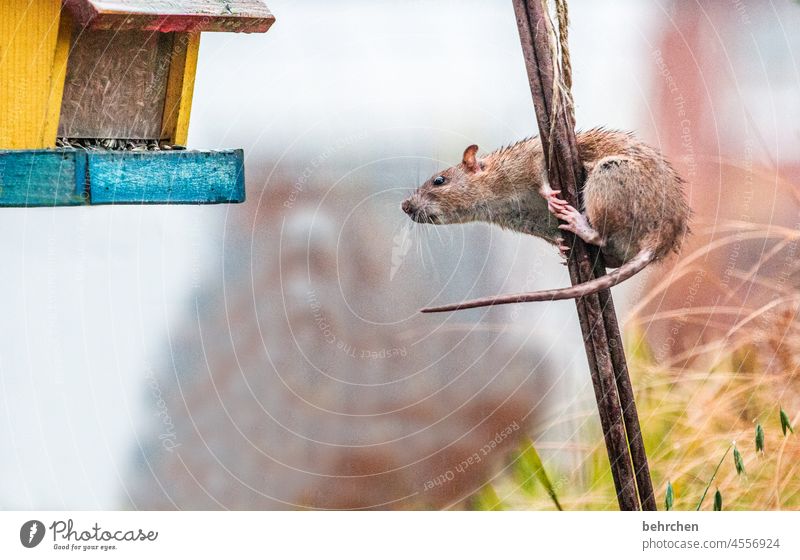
<point>635,210</point>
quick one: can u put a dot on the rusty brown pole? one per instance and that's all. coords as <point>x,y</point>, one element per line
<point>602,339</point>
<point>627,400</point>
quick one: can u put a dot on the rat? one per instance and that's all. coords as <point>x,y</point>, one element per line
<point>634,208</point>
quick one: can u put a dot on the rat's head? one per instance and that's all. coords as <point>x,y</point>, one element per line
<point>456,195</point>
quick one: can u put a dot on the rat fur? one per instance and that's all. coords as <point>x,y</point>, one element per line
<point>634,207</point>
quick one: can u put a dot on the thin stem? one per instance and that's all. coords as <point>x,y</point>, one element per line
<point>713,476</point>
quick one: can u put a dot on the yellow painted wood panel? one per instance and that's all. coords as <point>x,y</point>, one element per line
<point>180,88</point>
<point>57,76</point>
<point>29,32</point>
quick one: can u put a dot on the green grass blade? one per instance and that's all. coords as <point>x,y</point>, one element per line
<point>530,465</point>
<point>669,500</point>
<point>759,438</point>
<point>486,499</point>
<point>785,422</point>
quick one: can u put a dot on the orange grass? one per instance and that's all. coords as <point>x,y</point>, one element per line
<point>696,401</point>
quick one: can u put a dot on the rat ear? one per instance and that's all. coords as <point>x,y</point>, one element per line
<point>470,161</point>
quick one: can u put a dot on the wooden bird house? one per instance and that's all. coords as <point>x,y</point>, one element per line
<point>95,100</point>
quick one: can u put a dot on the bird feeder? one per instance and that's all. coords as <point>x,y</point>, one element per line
<point>95,99</point>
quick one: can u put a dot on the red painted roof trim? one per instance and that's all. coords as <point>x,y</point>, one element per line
<point>87,14</point>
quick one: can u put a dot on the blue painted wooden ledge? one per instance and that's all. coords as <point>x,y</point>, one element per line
<point>73,177</point>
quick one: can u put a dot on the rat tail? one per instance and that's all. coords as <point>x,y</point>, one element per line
<point>630,268</point>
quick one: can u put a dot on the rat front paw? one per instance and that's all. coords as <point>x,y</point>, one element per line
<point>554,204</point>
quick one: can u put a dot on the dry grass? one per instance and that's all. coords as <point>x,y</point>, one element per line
<point>690,418</point>
<point>706,392</point>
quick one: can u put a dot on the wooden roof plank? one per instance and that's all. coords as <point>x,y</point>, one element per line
<point>241,16</point>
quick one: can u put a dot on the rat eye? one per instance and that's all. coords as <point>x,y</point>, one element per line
<point>439,180</point>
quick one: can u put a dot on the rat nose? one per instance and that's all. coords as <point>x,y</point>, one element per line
<point>407,207</point>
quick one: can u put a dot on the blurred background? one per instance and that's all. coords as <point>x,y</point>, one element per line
<point>270,355</point>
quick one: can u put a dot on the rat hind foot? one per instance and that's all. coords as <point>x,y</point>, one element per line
<point>579,225</point>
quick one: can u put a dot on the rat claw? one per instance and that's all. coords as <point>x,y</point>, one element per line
<point>563,249</point>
